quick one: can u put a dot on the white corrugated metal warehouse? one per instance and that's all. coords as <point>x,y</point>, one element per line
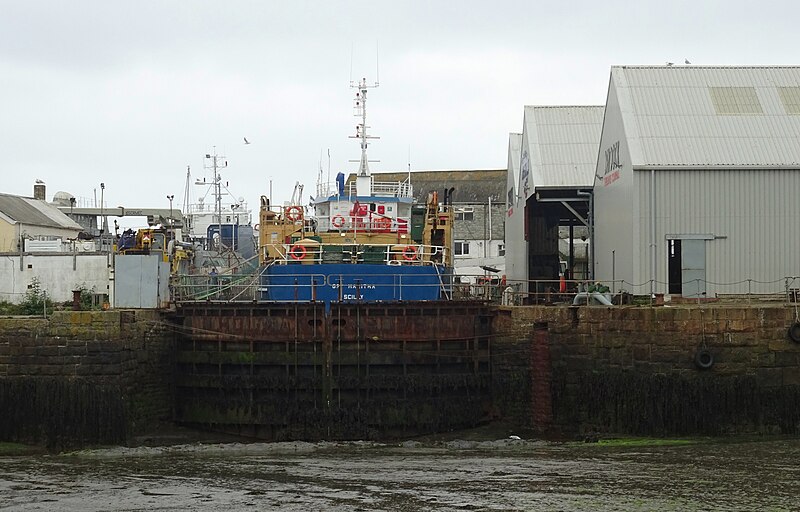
<point>698,180</point>
<point>516,246</point>
<point>557,158</point>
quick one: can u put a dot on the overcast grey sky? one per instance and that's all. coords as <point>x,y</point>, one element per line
<point>130,93</point>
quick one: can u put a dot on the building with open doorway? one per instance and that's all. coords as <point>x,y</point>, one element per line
<point>697,180</point>
<point>548,207</point>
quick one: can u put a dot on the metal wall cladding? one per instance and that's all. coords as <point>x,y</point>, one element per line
<point>752,215</point>
<point>141,281</point>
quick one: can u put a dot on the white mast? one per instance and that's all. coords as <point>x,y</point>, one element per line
<point>215,162</point>
<point>363,180</point>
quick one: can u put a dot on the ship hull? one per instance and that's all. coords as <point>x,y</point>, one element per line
<point>339,282</point>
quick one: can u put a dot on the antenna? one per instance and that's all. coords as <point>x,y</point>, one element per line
<point>409,163</point>
<point>351,63</point>
<point>186,192</point>
<point>214,163</point>
<point>361,128</point>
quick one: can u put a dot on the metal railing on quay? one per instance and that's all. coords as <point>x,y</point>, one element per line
<point>248,287</point>
<point>550,291</point>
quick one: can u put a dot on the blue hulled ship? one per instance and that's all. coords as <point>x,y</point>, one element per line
<point>363,240</point>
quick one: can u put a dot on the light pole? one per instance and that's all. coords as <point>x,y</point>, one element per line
<point>170,198</point>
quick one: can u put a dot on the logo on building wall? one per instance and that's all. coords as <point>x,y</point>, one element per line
<point>525,170</point>
<point>613,165</point>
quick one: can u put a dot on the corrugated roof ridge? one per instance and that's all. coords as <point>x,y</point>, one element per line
<point>706,66</point>
<point>15,195</point>
<point>564,106</point>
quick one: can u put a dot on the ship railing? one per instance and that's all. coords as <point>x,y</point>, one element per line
<point>388,254</point>
<point>374,224</point>
<point>218,287</point>
<point>494,288</point>
<point>379,188</point>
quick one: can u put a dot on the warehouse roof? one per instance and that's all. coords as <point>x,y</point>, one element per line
<point>514,149</point>
<point>709,116</point>
<point>33,212</point>
<point>562,143</point>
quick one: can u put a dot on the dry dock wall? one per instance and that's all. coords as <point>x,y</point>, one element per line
<point>87,377</point>
<point>632,369</point>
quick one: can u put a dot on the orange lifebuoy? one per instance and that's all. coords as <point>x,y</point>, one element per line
<point>410,253</point>
<point>294,213</point>
<point>297,252</point>
<point>337,221</point>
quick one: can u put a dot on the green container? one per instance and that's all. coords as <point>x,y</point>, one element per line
<point>373,254</point>
<point>417,223</point>
<point>332,254</point>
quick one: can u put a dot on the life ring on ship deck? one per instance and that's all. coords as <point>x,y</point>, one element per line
<point>794,332</point>
<point>294,213</point>
<point>410,253</point>
<point>337,221</point>
<point>703,359</point>
<point>297,252</point>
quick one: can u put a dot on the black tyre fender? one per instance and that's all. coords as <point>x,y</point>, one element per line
<point>703,359</point>
<point>794,332</point>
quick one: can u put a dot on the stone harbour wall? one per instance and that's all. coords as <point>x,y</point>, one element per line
<point>634,369</point>
<point>84,377</point>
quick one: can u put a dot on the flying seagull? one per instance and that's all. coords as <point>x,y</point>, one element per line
<point>246,141</point>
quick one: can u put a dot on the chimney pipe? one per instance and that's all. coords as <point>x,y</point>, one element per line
<point>39,190</point>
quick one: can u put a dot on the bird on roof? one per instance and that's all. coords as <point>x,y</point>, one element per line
<point>670,64</point>
<point>245,140</point>
<point>39,181</point>
<point>686,61</point>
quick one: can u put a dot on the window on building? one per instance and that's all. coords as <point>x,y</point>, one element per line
<point>461,248</point>
<point>464,213</point>
<point>501,249</point>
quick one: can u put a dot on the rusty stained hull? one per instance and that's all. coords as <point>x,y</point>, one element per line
<point>363,371</point>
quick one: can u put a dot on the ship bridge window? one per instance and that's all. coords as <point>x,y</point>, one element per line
<point>465,213</point>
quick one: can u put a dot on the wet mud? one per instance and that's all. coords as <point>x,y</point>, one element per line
<point>506,474</point>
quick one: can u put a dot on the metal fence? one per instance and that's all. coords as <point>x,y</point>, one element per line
<point>248,287</point>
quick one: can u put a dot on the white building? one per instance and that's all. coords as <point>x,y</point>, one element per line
<point>516,246</point>
<point>551,201</point>
<point>699,179</point>
<point>26,219</point>
<point>38,244</point>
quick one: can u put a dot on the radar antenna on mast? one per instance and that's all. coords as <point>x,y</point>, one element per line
<point>360,107</point>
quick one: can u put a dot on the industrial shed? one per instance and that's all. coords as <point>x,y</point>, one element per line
<point>552,201</point>
<point>516,245</point>
<point>697,180</point>
<point>25,219</point>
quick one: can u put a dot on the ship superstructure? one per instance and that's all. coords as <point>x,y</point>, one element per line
<point>365,240</point>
